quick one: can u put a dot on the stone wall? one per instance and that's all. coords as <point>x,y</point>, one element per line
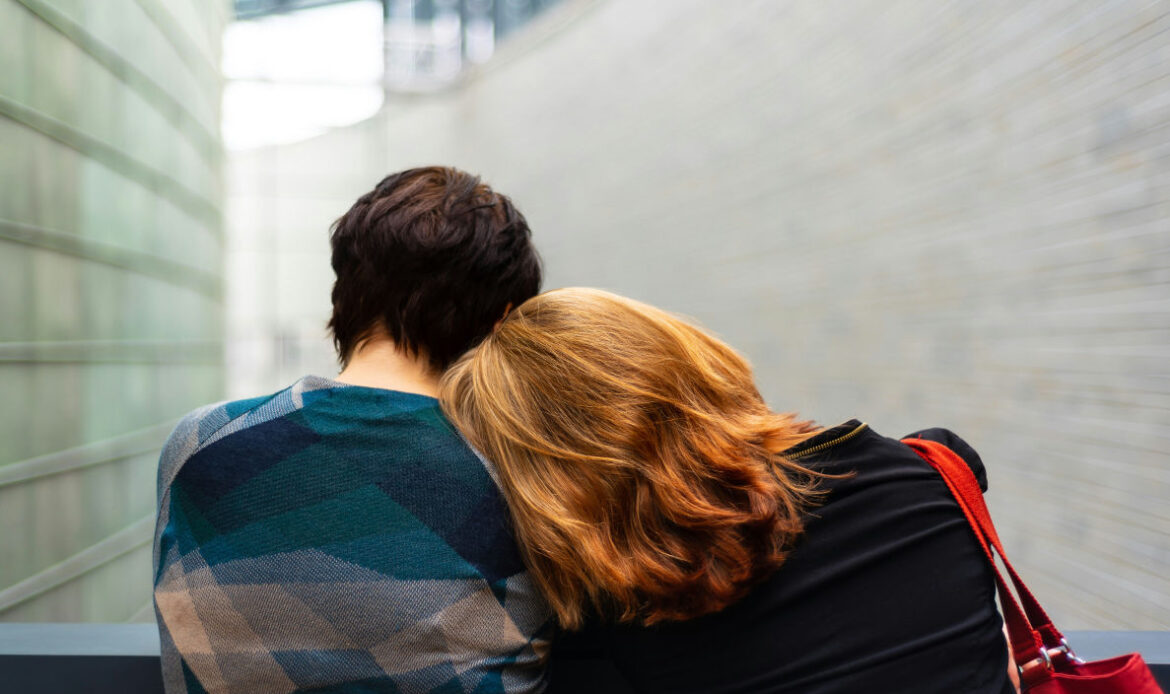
<point>912,212</point>
<point>111,298</point>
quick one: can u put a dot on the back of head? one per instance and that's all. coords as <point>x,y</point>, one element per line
<point>432,257</point>
<point>639,461</point>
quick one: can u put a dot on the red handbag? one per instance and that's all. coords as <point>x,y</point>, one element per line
<point>1047,664</point>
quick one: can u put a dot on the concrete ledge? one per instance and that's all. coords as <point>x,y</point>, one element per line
<point>117,658</point>
<point>55,639</point>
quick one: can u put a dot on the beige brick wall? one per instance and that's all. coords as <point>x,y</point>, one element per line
<point>912,212</point>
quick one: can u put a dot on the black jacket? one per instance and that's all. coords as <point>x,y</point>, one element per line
<point>887,591</point>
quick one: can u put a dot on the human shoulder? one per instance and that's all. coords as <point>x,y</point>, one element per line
<point>200,425</point>
<point>203,425</point>
<point>854,438</point>
<point>956,443</point>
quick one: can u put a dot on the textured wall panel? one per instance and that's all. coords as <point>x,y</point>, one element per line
<point>916,213</point>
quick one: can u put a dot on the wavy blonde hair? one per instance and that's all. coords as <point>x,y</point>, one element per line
<point>640,463</point>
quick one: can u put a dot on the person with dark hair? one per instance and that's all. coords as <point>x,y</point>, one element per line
<point>339,535</point>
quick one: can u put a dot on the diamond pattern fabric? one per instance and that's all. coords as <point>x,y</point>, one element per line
<point>334,538</point>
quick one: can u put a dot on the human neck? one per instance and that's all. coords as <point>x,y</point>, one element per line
<point>380,363</point>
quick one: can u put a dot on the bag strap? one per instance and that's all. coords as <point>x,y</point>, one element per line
<point>967,492</point>
<point>1035,640</point>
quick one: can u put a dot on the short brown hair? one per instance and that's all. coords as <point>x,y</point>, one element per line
<point>433,257</point>
<point>639,461</point>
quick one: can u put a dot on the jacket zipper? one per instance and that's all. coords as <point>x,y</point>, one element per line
<point>829,444</point>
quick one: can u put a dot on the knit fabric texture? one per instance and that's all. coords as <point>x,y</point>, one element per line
<point>335,538</point>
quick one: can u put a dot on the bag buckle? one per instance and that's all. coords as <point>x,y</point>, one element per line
<point>1031,669</point>
<point>1064,651</point>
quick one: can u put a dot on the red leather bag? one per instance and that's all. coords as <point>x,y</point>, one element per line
<point>1046,663</point>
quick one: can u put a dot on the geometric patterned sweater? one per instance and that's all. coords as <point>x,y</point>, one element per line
<point>336,538</point>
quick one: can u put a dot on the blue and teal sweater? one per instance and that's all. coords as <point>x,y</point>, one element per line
<point>334,538</point>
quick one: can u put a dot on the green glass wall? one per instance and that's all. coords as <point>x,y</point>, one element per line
<point>111,293</point>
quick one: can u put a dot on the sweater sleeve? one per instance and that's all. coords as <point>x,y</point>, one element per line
<point>952,441</point>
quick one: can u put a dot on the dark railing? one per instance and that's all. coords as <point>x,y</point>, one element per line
<point>120,658</point>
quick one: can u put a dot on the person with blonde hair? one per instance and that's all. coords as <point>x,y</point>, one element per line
<point>705,543</point>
